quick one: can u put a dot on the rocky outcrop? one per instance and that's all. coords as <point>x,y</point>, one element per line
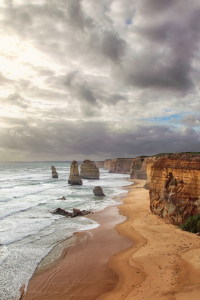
<point>62,198</point>
<point>100,164</point>
<point>98,191</point>
<point>74,177</point>
<point>54,173</point>
<point>89,170</point>
<point>107,163</point>
<point>175,187</point>
<point>138,168</point>
<point>76,212</point>
<point>121,165</point>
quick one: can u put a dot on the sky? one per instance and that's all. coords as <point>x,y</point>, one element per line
<point>102,79</point>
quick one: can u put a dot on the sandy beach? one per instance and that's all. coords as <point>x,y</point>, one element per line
<point>144,257</point>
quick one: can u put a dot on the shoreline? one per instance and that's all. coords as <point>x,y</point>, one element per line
<point>164,262</point>
<point>85,252</point>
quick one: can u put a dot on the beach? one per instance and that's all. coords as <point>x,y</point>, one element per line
<point>143,257</point>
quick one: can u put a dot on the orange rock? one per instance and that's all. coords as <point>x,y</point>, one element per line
<point>121,165</point>
<point>175,187</point>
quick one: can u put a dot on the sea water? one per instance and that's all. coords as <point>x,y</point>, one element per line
<point>28,229</point>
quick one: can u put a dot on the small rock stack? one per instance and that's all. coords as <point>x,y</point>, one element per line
<point>98,191</point>
<point>89,170</point>
<point>54,173</point>
<point>74,177</point>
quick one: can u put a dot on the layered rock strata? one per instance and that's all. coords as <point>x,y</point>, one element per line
<point>100,164</point>
<point>121,165</point>
<point>175,187</point>
<point>107,163</point>
<point>74,177</point>
<point>54,173</point>
<point>138,168</point>
<point>89,170</point>
<point>98,191</point>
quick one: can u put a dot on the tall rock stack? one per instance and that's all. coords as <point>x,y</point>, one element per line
<point>54,173</point>
<point>89,170</point>
<point>74,177</point>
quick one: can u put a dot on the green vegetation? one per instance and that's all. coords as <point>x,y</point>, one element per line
<point>192,224</point>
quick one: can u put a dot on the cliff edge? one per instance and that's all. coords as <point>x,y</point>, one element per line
<point>175,186</point>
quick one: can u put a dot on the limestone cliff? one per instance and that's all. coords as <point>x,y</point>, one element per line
<point>138,168</point>
<point>74,177</point>
<point>107,163</point>
<point>175,187</point>
<point>121,165</point>
<point>54,173</point>
<point>100,164</point>
<point>89,170</point>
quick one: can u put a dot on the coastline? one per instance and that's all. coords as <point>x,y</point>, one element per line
<point>164,262</point>
<point>82,270</point>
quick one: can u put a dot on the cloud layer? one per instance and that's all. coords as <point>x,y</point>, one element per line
<point>99,79</point>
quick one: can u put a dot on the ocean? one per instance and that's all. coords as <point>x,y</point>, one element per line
<point>28,229</point>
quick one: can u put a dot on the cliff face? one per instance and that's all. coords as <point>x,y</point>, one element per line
<point>89,170</point>
<point>74,177</point>
<point>175,187</point>
<point>121,165</point>
<point>100,164</point>
<point>138,168</point>
<point>107,163</point>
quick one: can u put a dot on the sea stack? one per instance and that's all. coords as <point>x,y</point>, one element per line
<point>98,191</point>
<point>74,177</point>
<point>89,170</point>
<point>54,173</point>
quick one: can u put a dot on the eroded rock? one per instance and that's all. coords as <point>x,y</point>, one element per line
<point>74,177</point>
<point>62,198</point>
<point>98,191</point>
<point>54,173</point>
<point>175,187</point>
<point>89,170</point>
<point>76,212</point>
<point>121,165</point>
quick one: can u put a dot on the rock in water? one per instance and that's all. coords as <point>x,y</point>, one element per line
<point>62,198</point>
<point>54,173</point>
<point>76,212</point>
<point>74,177</point>
<point>89,170</point>
<point>98,191</point>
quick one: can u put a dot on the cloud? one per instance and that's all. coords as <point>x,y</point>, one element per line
<point>17,100</point>
<point>93,76</point>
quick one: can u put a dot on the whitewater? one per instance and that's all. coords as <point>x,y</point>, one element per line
<point>28,229</point>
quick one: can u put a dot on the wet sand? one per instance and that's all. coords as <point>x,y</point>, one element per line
<point>162,263</point>
<point>83,270</point>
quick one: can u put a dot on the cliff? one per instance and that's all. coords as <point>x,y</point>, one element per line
<point>54,173</point>
<point>107,163</point>
<point>89,170</point>
<point>138,168</point>
<point>175,187</point>
<point>121,165</point>
<point>100,164</point>
<point>74,177</point>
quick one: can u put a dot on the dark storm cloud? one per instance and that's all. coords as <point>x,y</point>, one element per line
<point>172,43</point>
<point>85,138</point>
